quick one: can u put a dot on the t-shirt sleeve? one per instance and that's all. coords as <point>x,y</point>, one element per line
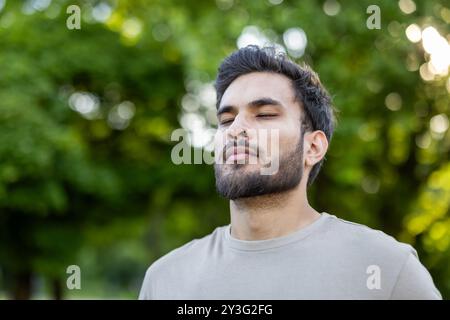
<point>414,282</point>
<point>146,288</point>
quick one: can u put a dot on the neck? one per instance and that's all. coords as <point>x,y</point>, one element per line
<point>271,216</point>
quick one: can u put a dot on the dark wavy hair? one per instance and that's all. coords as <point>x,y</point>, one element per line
<point>319,113</point>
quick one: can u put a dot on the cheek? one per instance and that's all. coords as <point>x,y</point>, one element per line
<point>290,134</point>
<point>282,140</point>
<point>290,139</point>
<point>219,141</point>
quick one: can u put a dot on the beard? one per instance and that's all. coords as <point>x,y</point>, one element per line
<point>240,184</point>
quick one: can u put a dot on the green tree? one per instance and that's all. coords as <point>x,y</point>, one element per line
<point>86,117</point>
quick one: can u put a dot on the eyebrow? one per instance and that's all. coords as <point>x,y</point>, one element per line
<point>255,104</point>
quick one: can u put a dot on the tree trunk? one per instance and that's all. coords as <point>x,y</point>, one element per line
<point>57,290</point>
<point>22,286</point>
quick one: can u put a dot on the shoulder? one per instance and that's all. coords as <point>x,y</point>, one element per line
<point>399,262</point>
<point>190,251</point>
<point>402,273</point>
<point>365,240</point>
<point>175,263</point>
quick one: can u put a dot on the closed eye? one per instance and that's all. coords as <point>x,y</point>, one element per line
<point>266,115</point>
<point>225,122</point>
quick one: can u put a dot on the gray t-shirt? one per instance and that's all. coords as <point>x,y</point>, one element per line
<point>329,259</point>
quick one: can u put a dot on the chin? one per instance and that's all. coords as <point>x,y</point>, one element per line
<point>245,166</point>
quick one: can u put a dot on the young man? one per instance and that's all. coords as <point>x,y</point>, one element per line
<point>277,246</point>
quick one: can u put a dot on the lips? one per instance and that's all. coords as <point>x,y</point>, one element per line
<point>236,153</point>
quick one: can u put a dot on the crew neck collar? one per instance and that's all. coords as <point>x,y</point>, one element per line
<point>259,245</point>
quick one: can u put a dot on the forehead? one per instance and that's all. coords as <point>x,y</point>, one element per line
<point>252,86</point>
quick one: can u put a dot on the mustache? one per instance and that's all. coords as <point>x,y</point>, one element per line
<point>241,143</point>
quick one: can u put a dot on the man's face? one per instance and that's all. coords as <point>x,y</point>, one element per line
<point>259,125</point>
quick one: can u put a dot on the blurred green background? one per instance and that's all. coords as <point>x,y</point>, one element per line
<point>86,117</point>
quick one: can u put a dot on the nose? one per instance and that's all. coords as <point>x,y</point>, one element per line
<point>238,128</point>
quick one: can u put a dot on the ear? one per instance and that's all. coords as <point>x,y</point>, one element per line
<point>315,146</point>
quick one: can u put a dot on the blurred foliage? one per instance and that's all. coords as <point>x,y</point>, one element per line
<point>86,116</point>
